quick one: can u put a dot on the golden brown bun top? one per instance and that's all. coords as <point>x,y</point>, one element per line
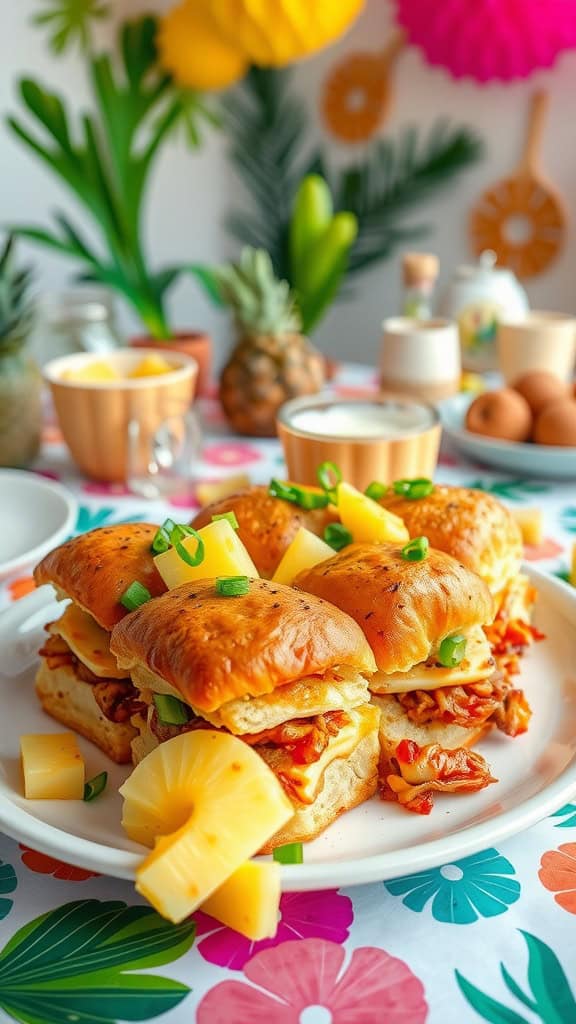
<point>215,649</point>
<point>402,607</point>
<point>95,569</point>
<point>267,525</point>
<point>470,525</point>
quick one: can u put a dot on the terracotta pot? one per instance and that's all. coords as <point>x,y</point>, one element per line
<point>197,344</point>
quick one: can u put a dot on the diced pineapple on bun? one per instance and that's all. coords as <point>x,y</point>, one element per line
<point>283,671</point>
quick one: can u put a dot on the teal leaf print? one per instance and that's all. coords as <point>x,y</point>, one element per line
<point>8,883</point>
<point>552,1000</point>
<point>569,813</point>
<point>512,490</point>
<point>474,887</point>
<point>568,518</point>
<point>91,518</point>
<point>71,964</point>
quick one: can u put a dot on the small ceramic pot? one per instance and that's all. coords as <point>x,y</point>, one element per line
<point>420,358</point>
<point>541,341</point>
<point>385,438</point>
<point>94,415</point>
<point>196,344</point>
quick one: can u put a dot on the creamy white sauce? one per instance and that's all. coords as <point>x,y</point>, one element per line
<point>363,419</point>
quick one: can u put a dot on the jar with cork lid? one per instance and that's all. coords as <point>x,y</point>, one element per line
<point>419,276</point>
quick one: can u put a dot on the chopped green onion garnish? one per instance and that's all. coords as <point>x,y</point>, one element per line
<point>232,586</point>
<point>337,536</point>
<point>292,853</point>
<point>298,495</point>
<point>135,595</point>
<point>170,710</point>
<point>162,540</point>
<point>375,490</point>
<point>419,487</point>
<point>329,476</point>
<point>198,557</point>
<point>452,650</point>
<point>95,786</point>
<point>416,550</point>
<point>230,517</point>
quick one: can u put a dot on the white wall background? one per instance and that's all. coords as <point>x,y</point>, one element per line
<point>190,190</point>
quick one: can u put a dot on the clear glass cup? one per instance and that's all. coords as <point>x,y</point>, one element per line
<point>162,464</point>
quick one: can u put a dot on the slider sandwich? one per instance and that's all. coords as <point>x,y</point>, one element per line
<point>437,685</point>
<point>78,682</point>
<point>279,669</point>
<point>483,535</point>
<point>268,524</point>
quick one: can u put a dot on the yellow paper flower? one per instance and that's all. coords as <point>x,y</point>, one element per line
<point>192,49</point>
<point>276,32</point>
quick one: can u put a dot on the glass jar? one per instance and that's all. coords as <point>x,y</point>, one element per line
<point>75,320</point>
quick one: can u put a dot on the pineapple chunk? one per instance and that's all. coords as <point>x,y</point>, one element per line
<point>531,523</point>
<point>249,901</point>
<point>52,766</point>
<point>224,555</point>
<point>572,575</point>
<point>224,803</point>
<point>151,366</point>
<point>305,551</point>
<point>367,521</point>
<point>92,373</point>
<point>215,490</point>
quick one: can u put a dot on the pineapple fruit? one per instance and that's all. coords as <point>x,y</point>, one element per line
<point>224,555</point>
<point>305,551</point>
<point>249,901</point>
<point>367,521</point>
<point>20,409</point>
<point>52,766</point>
<point>272,360</point>
<point>207,802</point>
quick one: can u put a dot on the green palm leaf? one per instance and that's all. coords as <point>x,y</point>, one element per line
<point>72,963</point>
<point>69,22</point>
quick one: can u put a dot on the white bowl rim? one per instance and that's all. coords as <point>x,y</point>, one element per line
<point>52,371</point>
<point>57,536</point>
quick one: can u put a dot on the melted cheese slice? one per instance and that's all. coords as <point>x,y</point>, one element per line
<point>307,778</point>
<point>515,601</point>
<point>476,664</point>
<point>88,641</point>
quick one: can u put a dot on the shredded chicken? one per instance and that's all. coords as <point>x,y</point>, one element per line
<point>470,705</point>
<point>509,640</point>
<point>414,773</point>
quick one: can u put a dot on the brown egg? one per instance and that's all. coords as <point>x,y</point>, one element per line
<point>539,388</point>
<point>503,414</point>
<point>556,424</point>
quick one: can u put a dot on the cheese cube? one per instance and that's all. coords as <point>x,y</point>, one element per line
<point>572,576</point>
<point>249,901</point>
<point>367,521</point>
<point>52,766</point>
<point>215,490</point>
<point>531,523</point>
<point>305,551</point>
<point>224,555</point>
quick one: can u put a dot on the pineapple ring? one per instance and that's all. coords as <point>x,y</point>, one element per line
<point>210,802</point>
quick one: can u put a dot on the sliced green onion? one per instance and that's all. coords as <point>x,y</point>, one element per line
<point>291,853</point>
<point>337,536</point>
<point>162,540</point>
<point>300,496</point>
<point>415,550</point>
<point>232,586</point>
<point>329,476</point>
<point>135,595</point>
<point>95,786</point>
<point>170,710</point>
<point>230,517</point>
<point>419,487</point>
<point>452,650</point>
<point>375,490</point>
<point>198,557</point>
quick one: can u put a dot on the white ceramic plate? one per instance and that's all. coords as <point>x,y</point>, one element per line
<point>537,774</point>
<point>528,459</point>
<point>35,516</point>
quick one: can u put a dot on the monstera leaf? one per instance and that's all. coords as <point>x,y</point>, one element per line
<point>72,964</point>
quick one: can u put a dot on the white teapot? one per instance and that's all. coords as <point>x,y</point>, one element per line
<point>478,297</point>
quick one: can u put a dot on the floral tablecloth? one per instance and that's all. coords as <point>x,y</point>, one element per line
<point>491,937</point>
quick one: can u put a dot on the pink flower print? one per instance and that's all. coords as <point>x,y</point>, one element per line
<point>230,453</point>
<point>295,976</point>
<point>445,459</point>
<point>354,391</point>
<point>48,474</point>
<point>102,490</point>
<point>547,549</point>
<point>303,915</point>
<point>186,500</point>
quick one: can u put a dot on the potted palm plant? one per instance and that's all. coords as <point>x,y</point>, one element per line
<point>105,163</point>
<point>20,408</point>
